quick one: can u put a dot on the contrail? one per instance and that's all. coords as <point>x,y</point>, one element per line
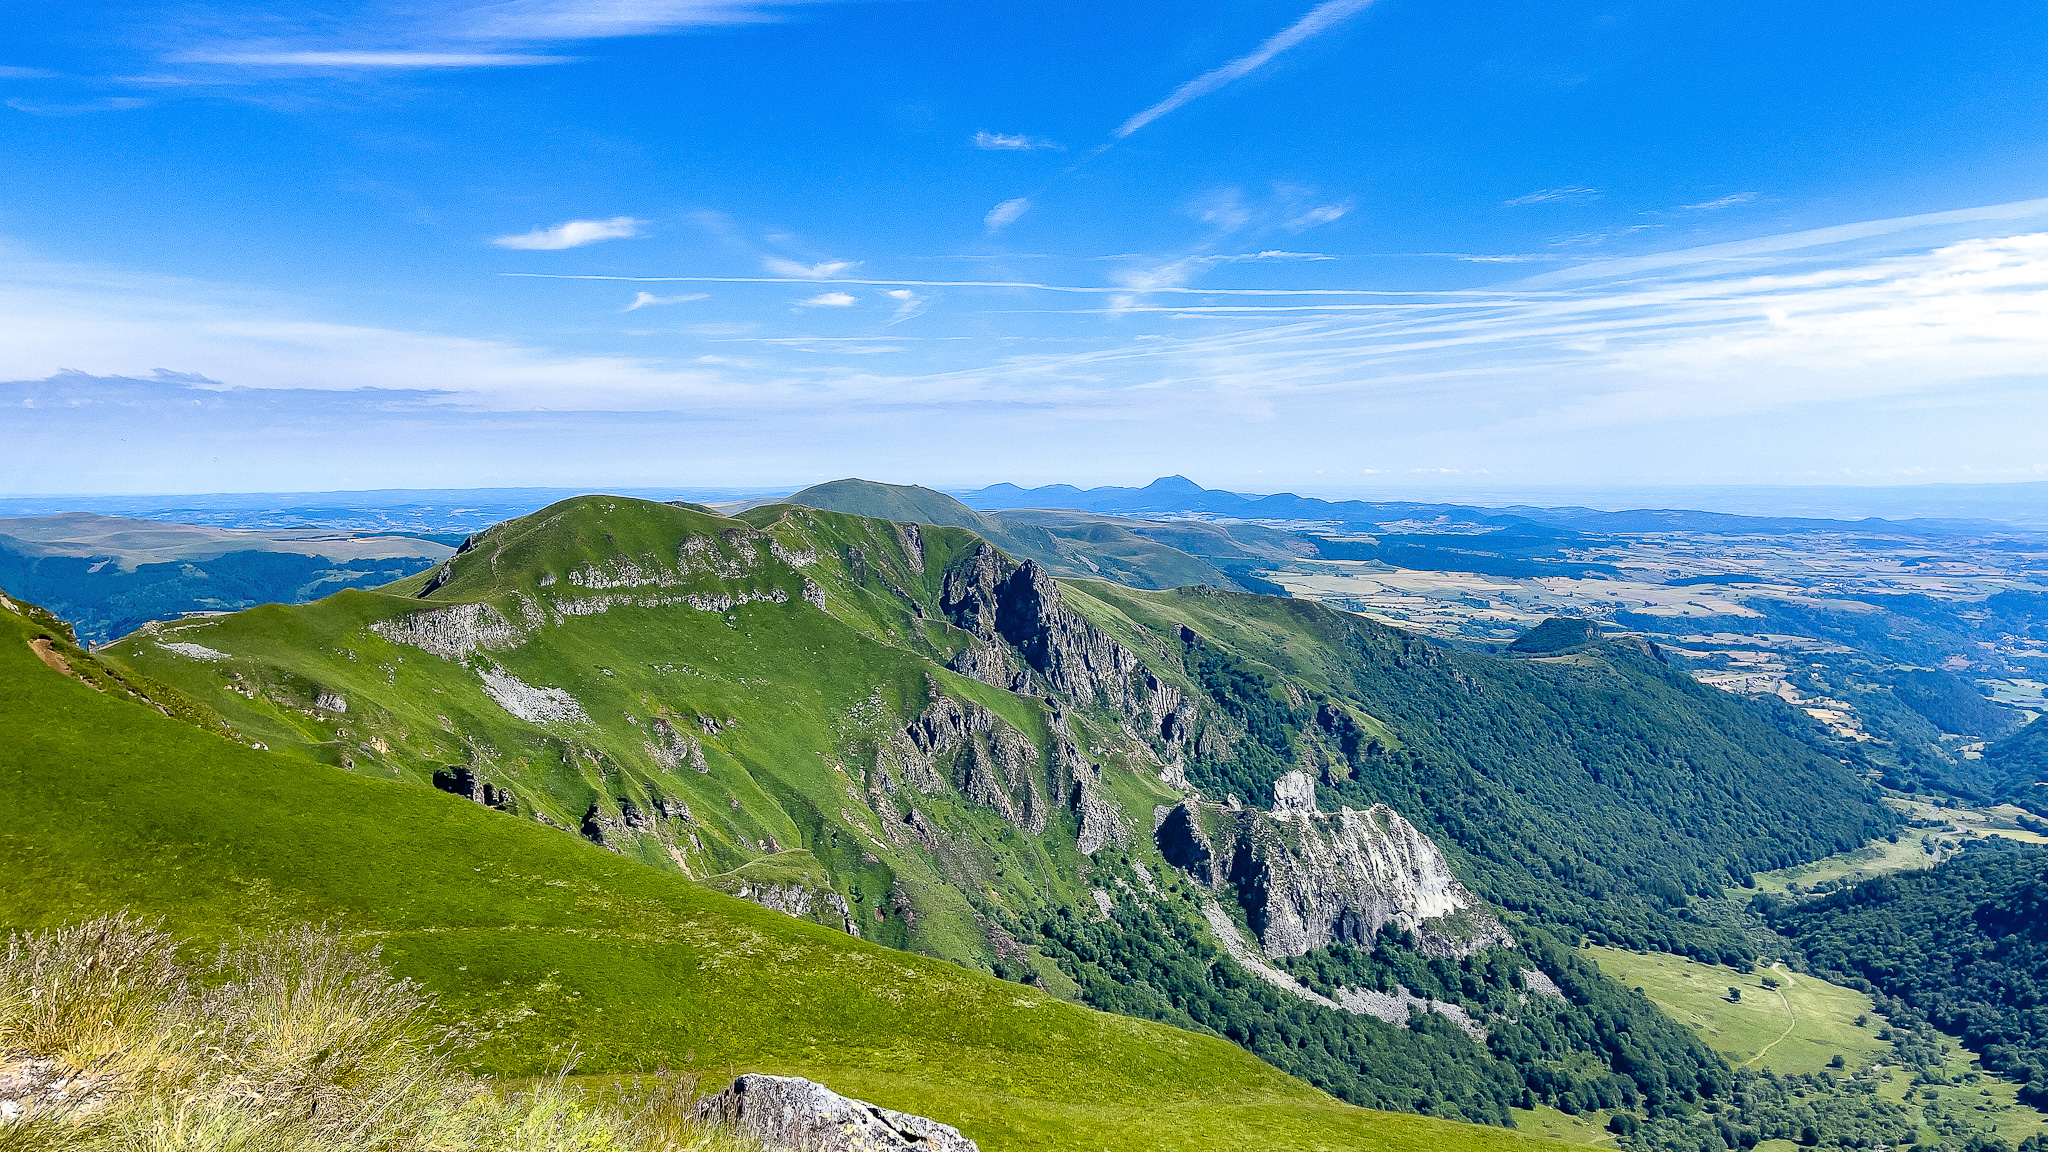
<point>1321,19</point>
<point>998,284</point>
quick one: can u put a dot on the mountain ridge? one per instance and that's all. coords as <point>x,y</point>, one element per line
<point>973,754</point>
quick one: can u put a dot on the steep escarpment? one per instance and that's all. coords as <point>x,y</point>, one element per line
<point>1306,879</point>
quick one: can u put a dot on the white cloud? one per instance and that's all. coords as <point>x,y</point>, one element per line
<point>1320,19</point>
<point>1001,142</point>
<point>1717,204</point>
<point>1801,343</point>
<point>644,299</point>
<point>1327,214</point>
<point>104,104</point>
<point>1160,276</point>
<point>828,300</point>
<point>11,72</point>
<point>372,59</point>
<point>1005,214</point>
<point>591,19</point>
<point>821,271</point>
<point>908,304</point>
<point>573,234</point>
<point>1571,194</point>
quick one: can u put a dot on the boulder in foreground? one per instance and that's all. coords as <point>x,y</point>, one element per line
<point>791,1114</point>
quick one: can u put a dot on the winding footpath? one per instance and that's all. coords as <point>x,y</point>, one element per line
<point>1791,1017</point>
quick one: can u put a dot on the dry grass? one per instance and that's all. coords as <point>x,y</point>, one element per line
<point>298,1041</point>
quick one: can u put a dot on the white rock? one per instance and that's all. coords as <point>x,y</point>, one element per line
<point>791,1114</point>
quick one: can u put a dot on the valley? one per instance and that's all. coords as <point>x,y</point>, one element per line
<point>1351,852</point>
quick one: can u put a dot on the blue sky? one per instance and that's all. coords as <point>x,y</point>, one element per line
<point>1337,247</point>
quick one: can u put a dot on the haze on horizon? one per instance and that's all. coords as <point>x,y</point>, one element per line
<point>1362,244</point>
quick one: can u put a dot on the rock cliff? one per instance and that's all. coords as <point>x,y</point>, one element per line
<point>1307,878</point>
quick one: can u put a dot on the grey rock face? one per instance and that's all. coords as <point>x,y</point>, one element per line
<point>452,632</point>
<point>988,760</point>
<point>791,1114</point>
<point>1308,878</point>
<point>995,598</point>
<point>673,750</point>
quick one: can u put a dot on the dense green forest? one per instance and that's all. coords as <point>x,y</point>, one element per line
<point>1598,1046</point>
<point>1561,784</point>
<point>1965,943</point>
<point>2014,768</point>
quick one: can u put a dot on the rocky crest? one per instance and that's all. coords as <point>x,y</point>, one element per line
<point>995,598</point>
<point>1307,878</point>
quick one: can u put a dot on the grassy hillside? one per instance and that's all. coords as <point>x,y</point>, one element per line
<point>1794,1024</point>
<point>1965,942</point>
<point>558,946</point>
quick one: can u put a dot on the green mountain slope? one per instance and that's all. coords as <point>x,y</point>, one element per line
<point>557,946</point>
<point>1093,548</point>
<point>899,731</point>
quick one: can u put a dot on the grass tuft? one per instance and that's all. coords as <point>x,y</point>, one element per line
<point>295,1041</point>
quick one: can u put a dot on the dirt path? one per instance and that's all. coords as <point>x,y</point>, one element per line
<point>50,655</point>
<point>1791,1017</point>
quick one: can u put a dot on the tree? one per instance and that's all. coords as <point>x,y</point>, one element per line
<point>1734,994</point>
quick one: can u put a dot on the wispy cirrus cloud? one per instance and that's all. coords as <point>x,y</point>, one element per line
<point>649,299</point>
<point>14,72</point>
<point>819,271</point>
<point>1320,19</point>
<point>448,34</point>
<point>572,234</point>
<point>371,59</point>
<point>1806,337</point>
<point>1569,194</point>
<point>598,19</point>
<point>1718,203</point>
<point>1005,214</point>
<point>908,304</point>
<point>1004,142</point>
<point>80,108</point>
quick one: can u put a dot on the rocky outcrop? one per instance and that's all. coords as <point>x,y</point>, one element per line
<point>452,632</point>
<point>989,761</point>
<point>675,750</point>
<point>461,780</point>
<point>1392,1007</point>
<point>995,598</point>
<point>791,1114</point>
<point>1307,878</point>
